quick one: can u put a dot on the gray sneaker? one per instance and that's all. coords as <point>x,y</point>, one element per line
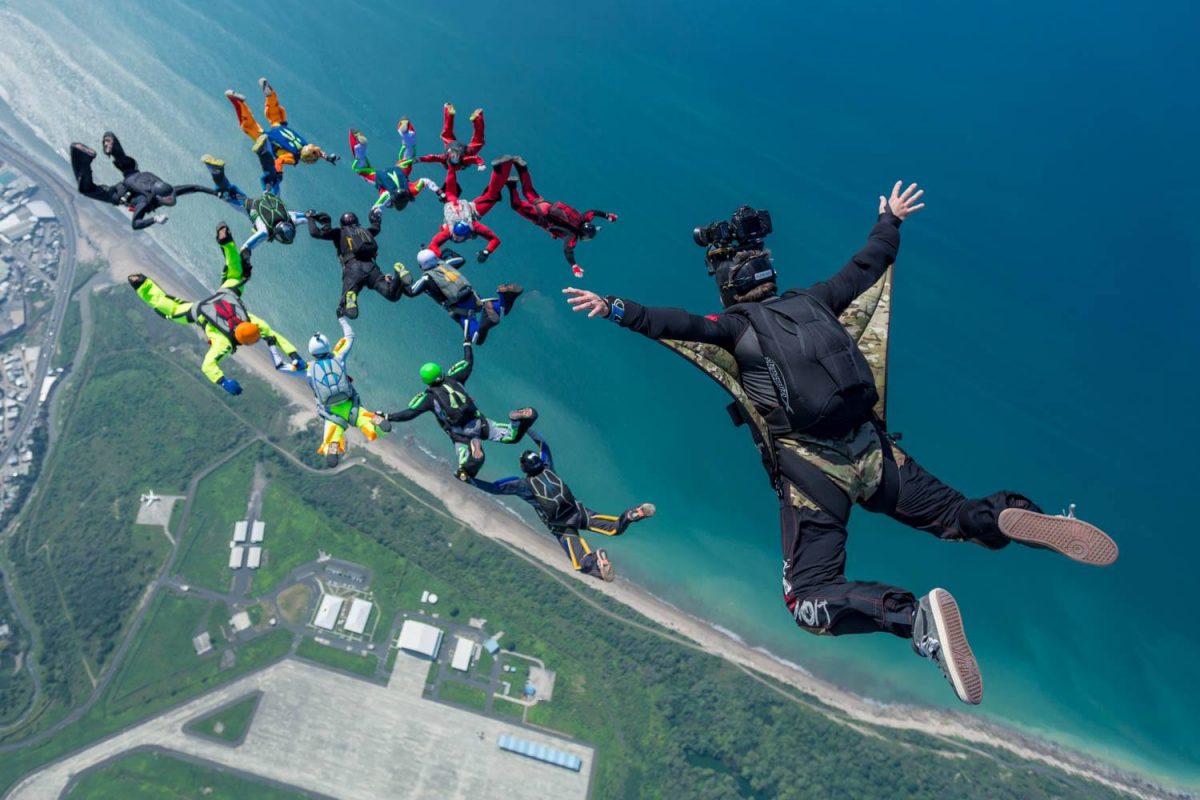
<point>939,636</point>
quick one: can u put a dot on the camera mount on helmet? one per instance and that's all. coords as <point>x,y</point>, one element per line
<point>745,231</point>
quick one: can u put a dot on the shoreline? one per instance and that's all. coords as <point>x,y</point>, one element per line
<point>104,234</point>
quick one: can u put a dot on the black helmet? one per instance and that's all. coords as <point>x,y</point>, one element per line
<point>399,198</point>
<point>284,232</point>
<point>165,193</point>
<point>532,463</point>
<point>456,152</point>
<point>587,230</point>
<point>742,273</point>
<point>349,218</point>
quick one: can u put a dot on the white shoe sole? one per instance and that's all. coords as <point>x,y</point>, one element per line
<point>956,653</point>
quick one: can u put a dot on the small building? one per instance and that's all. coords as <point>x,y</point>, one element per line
<point>202,643</point>
<point>327,613</point>
<point>235,556</point>
<point>40,209</point>
<point>492,646</point>
<point>461,660</point>
<point>357,616</point>
<point>256,533</point>
<point>540,752</point>
<point>253,557</point>
<point>239,531</point>
<point>420,639</point>
<point>240,621</point>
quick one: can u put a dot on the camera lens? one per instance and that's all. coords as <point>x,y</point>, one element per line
<point>700,236</point>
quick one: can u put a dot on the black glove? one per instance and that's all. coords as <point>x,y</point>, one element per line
<point>312,212</point>
<point>223,234</point>
<point>332,158</point>
<point>376,215</point>
<point>482,255</point>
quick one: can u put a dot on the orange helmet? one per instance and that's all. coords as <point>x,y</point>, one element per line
<point>247,333</point>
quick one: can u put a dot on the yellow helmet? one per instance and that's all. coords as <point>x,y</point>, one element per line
<point>310,153</point>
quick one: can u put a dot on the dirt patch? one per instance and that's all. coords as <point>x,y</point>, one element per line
<point>293,602</point>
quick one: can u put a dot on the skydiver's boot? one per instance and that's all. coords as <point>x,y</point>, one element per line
<point>449,108</point>
<point>937,634</point>
<point>350,305</point>
<point>475,114</point>
<point>1065,534</point>
<point>85,153</point>
<point>266,87</point>
<point>403,126</point>
<point>500,161</point>
<point>524,419</point>
<point>509,292</point>
<point>520,162</point>
<point>232,95</point>
<point>607,573</point>
<point>110,144</point>
<point>332,456</point>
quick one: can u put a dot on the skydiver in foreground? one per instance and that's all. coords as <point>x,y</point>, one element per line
<point>271,220</point>
<point>442,281</point>
<point>338,402</point>
<point>459,417</point>
<point>565,516</point>
<point>395,186</point>
<point>801,382</point>
<point>280,142</point>
<point>222,316</point>
<point>558,219</point>
<point>141,192</point>
<point>356,248</point>
<point>457,155</point>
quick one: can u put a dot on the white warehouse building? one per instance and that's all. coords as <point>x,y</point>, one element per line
<point>420,639</point>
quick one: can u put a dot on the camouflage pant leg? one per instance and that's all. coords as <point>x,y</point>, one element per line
<point>813,539</point>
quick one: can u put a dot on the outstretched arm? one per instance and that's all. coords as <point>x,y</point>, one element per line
<point>511,486</point>
<point>462,370</point>
<point>346,343</point>
<point>547,457</point>
<point>416,407</point>
<point>319,226</point>
<point>493,241</point>
<point>868,265</point>
<point>659,322</point>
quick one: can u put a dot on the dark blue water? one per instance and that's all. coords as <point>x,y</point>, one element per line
<point>1044,334</point>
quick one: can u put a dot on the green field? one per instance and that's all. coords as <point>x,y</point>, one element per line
<point>503,708</point>
<point>333,657</point>
<point>469,696</point>
<point>221,500</point>
<point>229,723</point>
<point>154,776</point>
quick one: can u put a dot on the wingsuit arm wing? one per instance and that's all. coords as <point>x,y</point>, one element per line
<point>864,268</point>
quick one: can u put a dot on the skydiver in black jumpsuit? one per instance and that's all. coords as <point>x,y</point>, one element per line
<point>555,503</point>
<point>142,192</point>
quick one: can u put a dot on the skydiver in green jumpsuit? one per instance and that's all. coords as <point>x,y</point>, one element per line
<point>222,316</point>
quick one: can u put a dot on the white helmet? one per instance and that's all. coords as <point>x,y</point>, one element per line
<point>427,259</point>
<point>318,345</point>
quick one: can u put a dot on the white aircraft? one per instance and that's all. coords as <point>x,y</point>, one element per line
<point>150,499</point>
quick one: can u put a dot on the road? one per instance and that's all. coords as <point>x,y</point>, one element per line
<point>61,199</point>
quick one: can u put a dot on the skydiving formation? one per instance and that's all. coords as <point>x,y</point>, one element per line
<point>806,368</point>
<point>142,193</point>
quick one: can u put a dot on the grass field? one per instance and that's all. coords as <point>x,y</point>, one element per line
<point>469,696</point>
<point>155,776</point>
<point>335,657</point>
<point>503,708</point>
<point>221,500</point>
<point>229,723</point>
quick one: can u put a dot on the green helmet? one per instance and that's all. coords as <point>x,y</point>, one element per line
<point>431,373</point>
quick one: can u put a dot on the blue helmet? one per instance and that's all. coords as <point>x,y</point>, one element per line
<point>460,231</point>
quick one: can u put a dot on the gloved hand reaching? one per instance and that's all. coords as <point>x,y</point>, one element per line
<point>231,386</point>
<point>482,255</point>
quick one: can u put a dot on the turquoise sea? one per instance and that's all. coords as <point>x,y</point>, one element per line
<point>1045,333</point>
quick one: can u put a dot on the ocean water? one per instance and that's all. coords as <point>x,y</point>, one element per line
<point>1044,332</point>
